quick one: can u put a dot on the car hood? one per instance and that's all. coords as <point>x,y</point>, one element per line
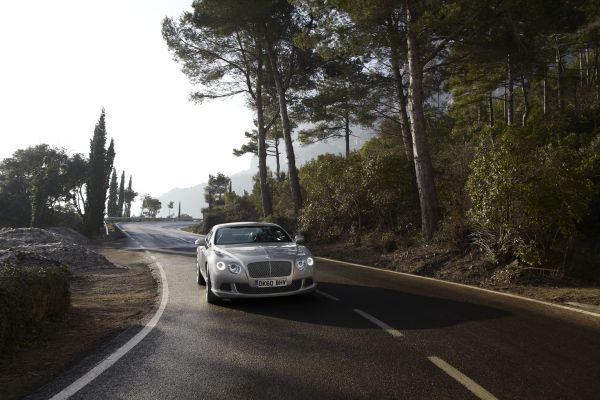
<point>260,252</point>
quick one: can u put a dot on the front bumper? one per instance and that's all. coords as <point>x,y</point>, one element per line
<point>243,290</point>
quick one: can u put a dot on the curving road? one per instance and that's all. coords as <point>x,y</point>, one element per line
<point>367,334</point>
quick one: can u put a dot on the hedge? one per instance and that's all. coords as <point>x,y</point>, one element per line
<point>30,298</point>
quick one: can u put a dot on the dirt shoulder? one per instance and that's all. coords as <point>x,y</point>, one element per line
<point>105,302</point>
<point>470,267</point>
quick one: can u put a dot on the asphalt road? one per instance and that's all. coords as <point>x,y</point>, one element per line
<point>367,335</point>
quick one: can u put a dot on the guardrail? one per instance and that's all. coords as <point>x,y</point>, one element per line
<point>147,219</point>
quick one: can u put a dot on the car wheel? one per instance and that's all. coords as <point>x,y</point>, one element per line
<point>199,278</point>
<point>211,298</point>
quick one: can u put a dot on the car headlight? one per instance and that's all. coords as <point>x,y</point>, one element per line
<point>234,268</point>
<point>310,261</point>
<point>301,264</point>
<point>221,266</point>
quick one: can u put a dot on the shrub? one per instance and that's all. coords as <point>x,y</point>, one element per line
<point>388,240</point>
<point>373,189</point>
<point>29,298</point>
<point>527,199</point>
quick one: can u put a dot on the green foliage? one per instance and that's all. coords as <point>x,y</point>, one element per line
<point>528,198</point>
<point>151,205</point>
<point>38,183</point>
<point>369,190</point>
<point>98,177</point>
<point>121,195</point>
<point>30,298</point>
<point>214,192</point>
<point>128,196</point>
<point>112,204</point>
<point>234,208</point>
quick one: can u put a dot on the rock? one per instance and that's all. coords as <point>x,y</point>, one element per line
<point>34,247</point>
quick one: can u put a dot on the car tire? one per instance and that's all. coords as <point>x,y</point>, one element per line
<point>199,278</point>
<point>211,298</point>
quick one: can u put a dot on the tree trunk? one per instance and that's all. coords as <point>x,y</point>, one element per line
<point>491,110</point>
<point>596,77</point>
<point>525,100</point>
<point>347,132</point>
<point>580,67</point>
<point>285,123</point>
<point>278,166</point>
<point>265,191</point>
<point>546,91</point>
<point>559,88</point>
<point>576,101</point>
<point>510,112</point>
<point>423,167</point>
<point>399,89</point>
<point>505,103</point>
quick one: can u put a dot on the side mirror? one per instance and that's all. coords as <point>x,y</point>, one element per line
<point>200,242</point>
<point>299,239</point>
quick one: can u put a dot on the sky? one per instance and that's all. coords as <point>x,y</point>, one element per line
<point>62,61</point>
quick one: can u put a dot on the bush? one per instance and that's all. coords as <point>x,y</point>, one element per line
<point>370,190</point>
<point>29,298</point>
<point>527,199</point>
<point>211,217</point>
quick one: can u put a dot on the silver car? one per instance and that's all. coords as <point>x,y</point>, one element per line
<point>253,259</point>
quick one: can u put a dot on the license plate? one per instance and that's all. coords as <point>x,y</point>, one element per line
<point>261,283</point>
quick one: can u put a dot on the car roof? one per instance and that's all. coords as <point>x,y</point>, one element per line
<point>234,224</point>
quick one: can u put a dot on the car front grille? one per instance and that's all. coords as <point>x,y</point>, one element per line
<point>244,288</point>
<point>269,269</point>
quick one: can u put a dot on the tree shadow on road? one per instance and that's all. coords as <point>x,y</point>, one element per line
<point>401,310</point>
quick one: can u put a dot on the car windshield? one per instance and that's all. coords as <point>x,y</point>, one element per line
<point>251,234</point>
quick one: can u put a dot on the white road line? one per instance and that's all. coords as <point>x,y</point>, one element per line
<point>379,323</point>
<point>329,296</point>
<point>514,296</point>
<point>464,380</point>
<point>114,357</point>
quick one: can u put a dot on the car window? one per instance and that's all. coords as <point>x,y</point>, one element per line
<point>208,237</point>
<point>251,234</point>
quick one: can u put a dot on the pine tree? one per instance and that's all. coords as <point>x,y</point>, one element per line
<point>112,195</point>
<point>98,176</point>
<point>121,200</point>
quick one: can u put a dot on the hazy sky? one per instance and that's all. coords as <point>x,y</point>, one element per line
<point>63,60</point>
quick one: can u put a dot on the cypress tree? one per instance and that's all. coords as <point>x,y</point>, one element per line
<point>112,195</point>
<point>130,195</point>
<point>121,196</point>
<point>98,176</point>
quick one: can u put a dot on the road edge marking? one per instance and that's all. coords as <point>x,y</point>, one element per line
<point>461,378</point>
<point>327,295</point>
<point>379,323</point>
<point>514,296</point>
<point>124,349</point>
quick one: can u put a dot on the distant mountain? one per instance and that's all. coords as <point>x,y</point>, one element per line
<point>192,198</point>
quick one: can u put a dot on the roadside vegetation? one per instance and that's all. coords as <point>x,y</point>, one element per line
<point>485,118</point>
<point>31,298</point>
<point>45,187</point>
